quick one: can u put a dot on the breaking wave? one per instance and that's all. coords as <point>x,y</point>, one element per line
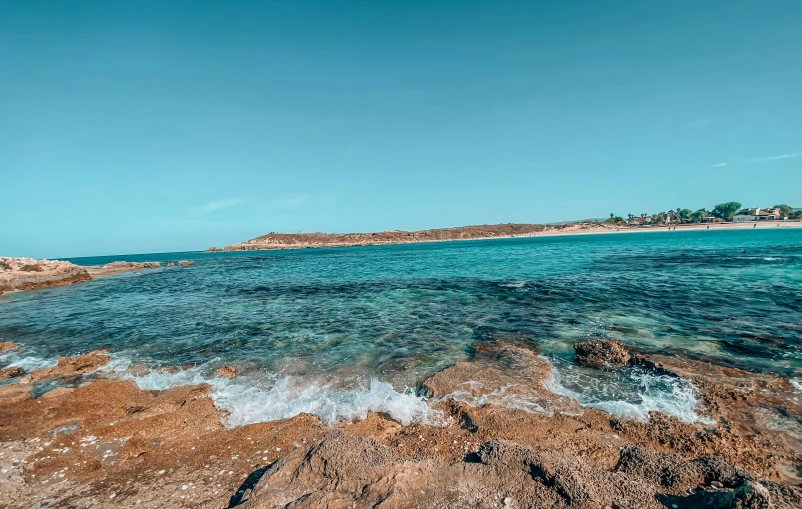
<point>249,400</point>
<point>645,392</point>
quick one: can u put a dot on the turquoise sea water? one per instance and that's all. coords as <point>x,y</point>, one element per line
<point>335,331</point>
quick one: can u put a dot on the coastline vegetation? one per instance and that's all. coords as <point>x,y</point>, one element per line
<point>723,212</point>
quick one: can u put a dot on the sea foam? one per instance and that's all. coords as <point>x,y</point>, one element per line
<point>12,359</point>
<point>654,393</point>
<point>289,397</point>
<point>248,399</point>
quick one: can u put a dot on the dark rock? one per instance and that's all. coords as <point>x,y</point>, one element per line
<point>749,495</point>
<point>7,373</point>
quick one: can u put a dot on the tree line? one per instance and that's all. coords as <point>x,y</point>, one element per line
<point>723,211</point>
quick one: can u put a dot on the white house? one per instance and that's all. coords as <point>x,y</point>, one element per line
<point>755,214</point>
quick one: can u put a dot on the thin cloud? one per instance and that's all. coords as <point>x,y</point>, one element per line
<point>213,206</point>
<point>774,158</point>
<point>719,165</point>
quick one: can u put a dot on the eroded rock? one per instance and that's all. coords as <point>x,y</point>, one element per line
<point>602,353</point>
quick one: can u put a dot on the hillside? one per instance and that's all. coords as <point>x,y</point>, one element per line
<point>310,240</point>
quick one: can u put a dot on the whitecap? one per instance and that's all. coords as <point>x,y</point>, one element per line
<point>514,284</point>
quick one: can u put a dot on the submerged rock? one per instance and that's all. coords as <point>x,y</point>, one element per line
<point>602,353</point>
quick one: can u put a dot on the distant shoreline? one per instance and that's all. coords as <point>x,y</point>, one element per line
<point>276,242</point>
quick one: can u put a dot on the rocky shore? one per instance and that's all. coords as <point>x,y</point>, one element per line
<point>30,274</point>
<point>69,437</point>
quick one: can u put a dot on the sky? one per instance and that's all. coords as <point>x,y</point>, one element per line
<point>135,127</point>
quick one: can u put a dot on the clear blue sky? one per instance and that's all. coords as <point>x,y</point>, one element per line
<point>159,126</point>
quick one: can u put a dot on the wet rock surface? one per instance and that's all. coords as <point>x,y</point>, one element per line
<point>602,353</point>
<point>7,373</point>
<point>71,366</point>
<point>503,440</point>
<point>227,372</point>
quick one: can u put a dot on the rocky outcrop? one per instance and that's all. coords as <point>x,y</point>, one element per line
<point>341,470</point>
<point>7,345</point>
<point>602,353</point>
<point>185,263</point>
<point>213,249</point>
<point>29,274</point>
<point>71,366</point>
<point>120,267</point>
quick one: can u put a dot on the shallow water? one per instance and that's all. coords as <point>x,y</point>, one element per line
<point>350,328</point>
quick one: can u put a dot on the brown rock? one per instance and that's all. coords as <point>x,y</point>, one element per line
<point>213,249</point>
<point>602,353</point>
<point>227,372</point>
<point>58,392</point>
<point>185,263</point>
<point>7,345</point>
<point>73,366</point>
<point>357,471</point>
<point>14,393</point>
<point>7,373</point>
<point>30,274</point>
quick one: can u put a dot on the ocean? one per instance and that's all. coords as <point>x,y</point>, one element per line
<point>337,332</point>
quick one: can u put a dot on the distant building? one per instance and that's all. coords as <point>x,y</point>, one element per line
<point>639,221</point>
<point>756,214</point>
